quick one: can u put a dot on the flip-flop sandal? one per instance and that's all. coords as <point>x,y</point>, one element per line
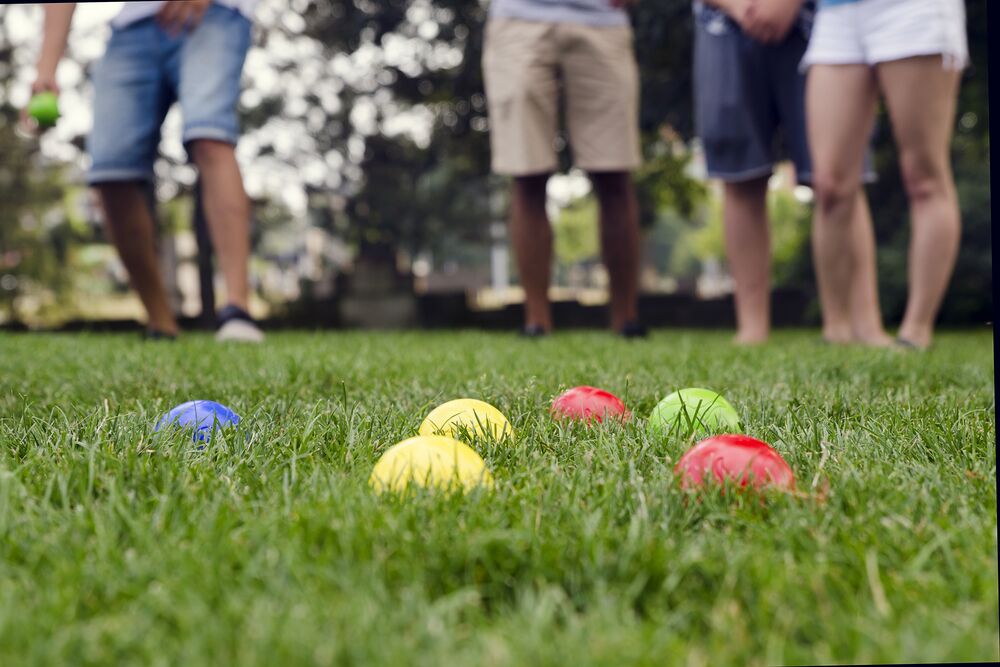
<point>633,330</point>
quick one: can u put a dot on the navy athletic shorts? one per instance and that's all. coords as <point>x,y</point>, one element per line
<point>750,99</point>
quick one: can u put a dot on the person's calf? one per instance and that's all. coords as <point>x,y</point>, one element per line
<point>131,228</point>
<point>227,209</point>
<point>531,235</point>
<point>620,244</point>
<point>866,313</point>
<point>748,251</point>
<point>832,251</point>
<point>209,153</point>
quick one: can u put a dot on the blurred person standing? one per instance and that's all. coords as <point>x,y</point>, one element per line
<point>160,53</point>
<point>910,53</point>
<point>538,54</point>
<point>749,93</point>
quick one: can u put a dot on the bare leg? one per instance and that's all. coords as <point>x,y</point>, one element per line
<point>840,108</point>
<point>748,250</point>
<point>227,210</point>
<point>532,236</point>
<point>866,313</point>
<point>620,243</point>
<point>130,227</point>
<point>921,95</point>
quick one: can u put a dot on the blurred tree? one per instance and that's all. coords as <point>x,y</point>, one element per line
<point>790,222</point>
<point>422,57</point>
<point>34,233</point>
<point>663,181</point>
<point>577,238</point>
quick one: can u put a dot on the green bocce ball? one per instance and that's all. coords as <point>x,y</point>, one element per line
<point>693,410</point>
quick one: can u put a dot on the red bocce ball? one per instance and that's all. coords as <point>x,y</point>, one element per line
<point>589,403</point>
<point>738,458</point>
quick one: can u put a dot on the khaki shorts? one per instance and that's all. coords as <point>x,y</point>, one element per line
<point>528,64</point>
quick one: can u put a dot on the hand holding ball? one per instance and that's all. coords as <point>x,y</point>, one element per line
<point>44,108</point>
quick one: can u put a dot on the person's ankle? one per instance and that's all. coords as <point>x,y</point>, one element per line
<point>623,318</point>
<point>839,334</point>
<point>873,337</point>
<point>920,337</point>
<point>535,319</point>
<point>167,327</point>
<point>751,337</point>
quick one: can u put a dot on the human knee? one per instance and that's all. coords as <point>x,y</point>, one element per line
<point>923,176</point>
<point>832,191</point>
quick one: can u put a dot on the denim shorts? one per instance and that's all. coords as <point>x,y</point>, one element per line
<point>749,98</point>
<point>145,70</point>
<point>749,101</point>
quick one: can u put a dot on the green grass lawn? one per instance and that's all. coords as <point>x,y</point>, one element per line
<point>271,549</point>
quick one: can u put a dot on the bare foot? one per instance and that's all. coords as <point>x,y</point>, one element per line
<point>749,340</point>
<point>917,337</point>
<point>838,340</point>
<point>838,334</point>
<point>878,340</point>
<point>163,325</point>
<point>906,344</point>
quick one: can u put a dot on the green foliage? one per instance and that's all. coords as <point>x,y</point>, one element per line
<point>34,233</point>
<point>668,248</point>
<point>689,242</point>
<point>577,233</point>
<point>790,222</point>
<point>664,41</point>
<point>269,548</point>
<point>663,182</point>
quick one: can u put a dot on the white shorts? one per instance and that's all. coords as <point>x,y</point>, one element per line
<point>868,32</point>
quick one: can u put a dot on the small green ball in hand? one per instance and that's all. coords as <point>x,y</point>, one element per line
<point>44,108</point>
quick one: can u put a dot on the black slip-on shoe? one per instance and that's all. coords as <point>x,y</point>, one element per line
<point>634,330</point>
<point>534,331</point>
